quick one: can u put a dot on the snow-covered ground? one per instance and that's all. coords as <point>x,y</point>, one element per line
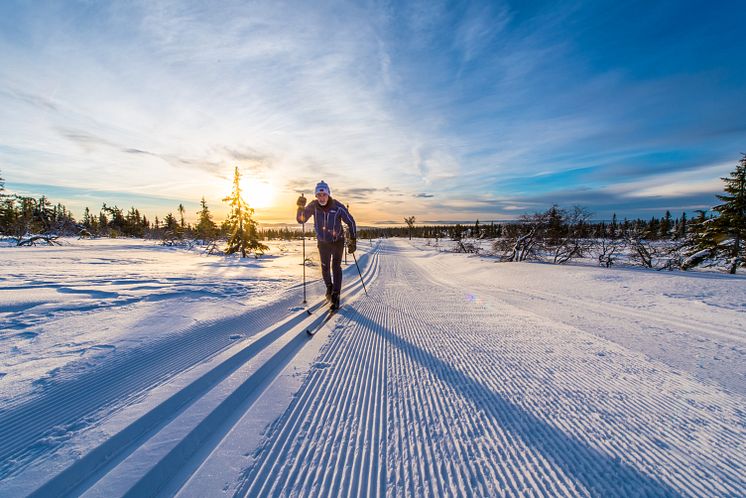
<point>135,369</point>
<point>695,321</point>
<point>65,308</point>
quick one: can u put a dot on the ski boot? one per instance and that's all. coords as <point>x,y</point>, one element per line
<point>335,301</point>
<point>328,293</point>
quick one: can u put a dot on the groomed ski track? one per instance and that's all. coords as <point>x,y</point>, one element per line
<point>417,389</point>
<point>425,391</point>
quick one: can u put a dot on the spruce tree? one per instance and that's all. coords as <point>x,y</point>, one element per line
<point>665,226</point>
<point>170,224</point>
<point>206,228</point>
<point>181,216</point>
<point>730,226</point>
<point>242,227</point>
<point>43,215</point>
<point>87,218</point>
<point>555,225</point>
<point>723,236</point>
<point>410,224</point>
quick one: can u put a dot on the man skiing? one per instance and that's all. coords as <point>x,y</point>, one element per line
<point>328,216</point>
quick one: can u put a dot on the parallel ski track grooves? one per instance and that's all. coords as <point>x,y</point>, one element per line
<point>114,449</point>
<point>442,432</point>
<point>219,422</point>
<point>662,404</point>
<point>629,440</point>
<point>110,453</point>
<point>487,478</point>
<point>68,402</point>
<point>424,477</point>
<point>291,456</point>
<point>484,479</point>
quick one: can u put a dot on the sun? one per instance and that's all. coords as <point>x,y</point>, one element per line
<point>258,194</point>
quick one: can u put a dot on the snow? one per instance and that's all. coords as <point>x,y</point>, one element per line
<point>659,314</point>
<point>62,305</point>
<point>133,368</point>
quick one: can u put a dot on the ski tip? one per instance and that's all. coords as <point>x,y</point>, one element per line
<point>309,311</point>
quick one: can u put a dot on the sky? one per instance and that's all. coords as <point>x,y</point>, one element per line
<point>446,111</point>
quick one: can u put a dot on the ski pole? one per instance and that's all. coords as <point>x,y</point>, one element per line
<point>361,275</point>
<point>303,231</point>
<point>304,262</point>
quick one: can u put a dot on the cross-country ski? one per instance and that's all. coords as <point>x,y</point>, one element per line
<point>328,315</point>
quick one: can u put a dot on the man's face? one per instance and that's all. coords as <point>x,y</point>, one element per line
<point>323,198</point>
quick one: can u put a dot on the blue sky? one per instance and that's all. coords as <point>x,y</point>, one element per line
<point>445,111</point>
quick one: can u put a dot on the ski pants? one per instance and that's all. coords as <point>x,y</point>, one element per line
<point>331,252</point>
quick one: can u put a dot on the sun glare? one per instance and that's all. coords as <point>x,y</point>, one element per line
<point>258,194</point>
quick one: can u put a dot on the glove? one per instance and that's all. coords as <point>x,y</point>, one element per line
<point>301,201</point>
<point>351,245</point>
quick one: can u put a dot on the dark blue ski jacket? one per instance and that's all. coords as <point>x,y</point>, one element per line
<point>328,220</point>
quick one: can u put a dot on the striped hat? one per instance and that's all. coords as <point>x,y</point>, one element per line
<point>322,187</point>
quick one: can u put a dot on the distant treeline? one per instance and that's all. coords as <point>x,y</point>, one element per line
<point>22,216</point>
<point>665,227</point>
<point>565,233</point>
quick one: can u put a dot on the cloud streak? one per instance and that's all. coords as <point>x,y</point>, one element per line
<point>452,109</point>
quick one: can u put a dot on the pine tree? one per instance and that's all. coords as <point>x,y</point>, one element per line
<point>43,215</point>
<point>170,224</point>
<point>95,228</point>
<point>680,227</point>
<point>665,226</point>
<point>87,218</point>
<point>181,216</point>
<point>242,227</point>
<point>730,226</point>
<point>614,227</point>
<point>410,223</point>
<point>555,225</point>
<point>723,236</point>
<point>206,228</point>
<point>652,229</point>
<point>133,224</point>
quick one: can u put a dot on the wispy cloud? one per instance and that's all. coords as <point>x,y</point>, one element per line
<point>428,105</point>
<point>28,98</point>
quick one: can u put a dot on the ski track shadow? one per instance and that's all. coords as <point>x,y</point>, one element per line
<point>121,379</point>
<point>572,456</point>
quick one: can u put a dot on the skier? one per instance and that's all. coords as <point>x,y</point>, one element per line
<point>328,216</point>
